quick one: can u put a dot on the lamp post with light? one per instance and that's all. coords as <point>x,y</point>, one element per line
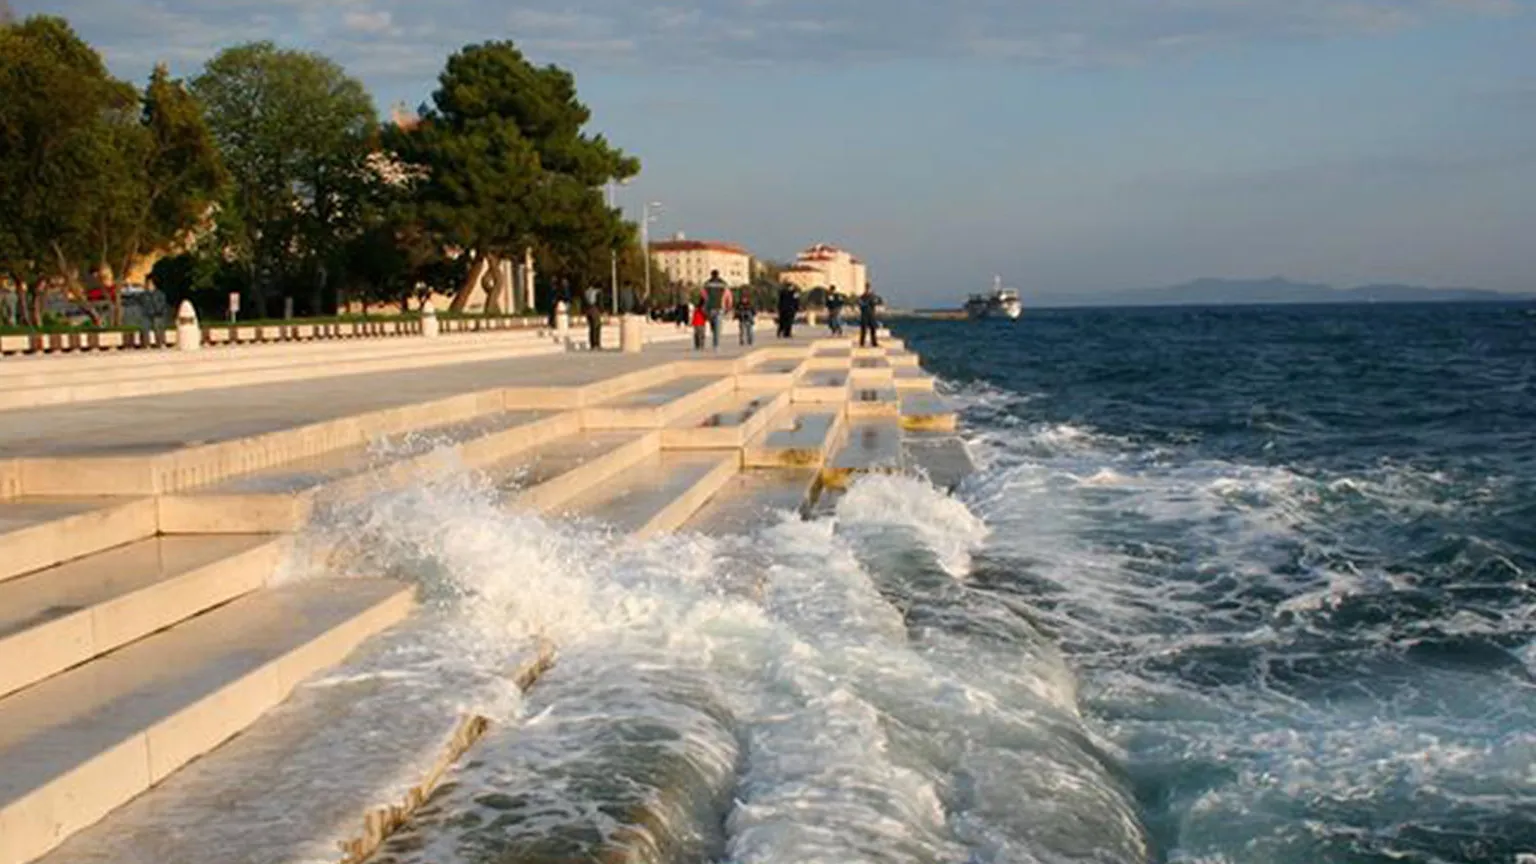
<point>645,241</point>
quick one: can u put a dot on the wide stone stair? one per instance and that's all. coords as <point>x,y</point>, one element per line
<point>145,618</point>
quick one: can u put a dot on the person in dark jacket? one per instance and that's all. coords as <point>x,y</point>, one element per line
<point>836,300</point>
<point>789,307</point>
<point>869,303</point>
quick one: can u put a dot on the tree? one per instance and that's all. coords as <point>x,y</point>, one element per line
<point>294,131</point>
<point>59,120</point>
<point>507,164</point>
<point>168,172</point>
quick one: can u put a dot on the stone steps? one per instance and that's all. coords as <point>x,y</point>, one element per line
<point>873,401</point>
<point>928,413</point>
<point>870,446</point>
<point>753,499</point>
<point>60,617</point>
<point>822,386</point>
<point>803,438</point>
<point>939,456</point>
<point>281,499</point>
<point>125,654</point>
<point>545,478</point>
<point>40,531</point>
<point>83,742</point>
<point>658,493</point>
<point>659,405</point>
<point>727,423</point>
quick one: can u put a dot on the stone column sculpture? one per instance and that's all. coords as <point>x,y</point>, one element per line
<point>189,336</point>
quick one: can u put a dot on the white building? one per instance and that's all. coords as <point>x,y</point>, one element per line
<point>824,265</point>
<point>689,262</point>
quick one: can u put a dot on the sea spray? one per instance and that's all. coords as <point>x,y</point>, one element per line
<point>762,696</point>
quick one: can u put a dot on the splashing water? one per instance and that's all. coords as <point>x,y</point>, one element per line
<point>815,691</point>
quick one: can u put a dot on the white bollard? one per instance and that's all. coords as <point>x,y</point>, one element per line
<point>189,337</point>
<point>562,324</point>
<point>631,336</point>
<point>429,326</point>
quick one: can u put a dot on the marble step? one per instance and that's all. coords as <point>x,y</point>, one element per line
<point>870,446</point>
<point>902,359</point>
<point>83,742</point>
<point>56,618</point>
<point>546,477</point>
<point>881,400</point>
<point>326,776</point>
<point>41,531</point>
<point>871,372</point>
<point>822,387</point>
<point>281,498</point>
<point>804,437</point>
<point>912,379</point>
<point>927,412</point>
<point>941,457</point>
<point>754,499</point>
<point>727,423</point>
<point>660,492</point>
<point>659,405</point>
<point>771,374</point>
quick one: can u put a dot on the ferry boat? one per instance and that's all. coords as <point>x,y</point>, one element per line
<point>1001,303</point>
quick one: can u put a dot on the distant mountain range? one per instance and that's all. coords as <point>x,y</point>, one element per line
<point>1228,292</point>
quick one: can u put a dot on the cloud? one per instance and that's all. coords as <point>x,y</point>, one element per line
<point>399,38</point>
<point>362,21</point>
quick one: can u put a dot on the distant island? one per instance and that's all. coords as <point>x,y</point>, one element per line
<point>1232,292</point>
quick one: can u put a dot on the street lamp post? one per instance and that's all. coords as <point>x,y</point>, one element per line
<point>645,241</point>
<point>613,254</point>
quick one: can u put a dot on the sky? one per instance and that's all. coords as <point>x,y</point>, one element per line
<point>1072,146</point>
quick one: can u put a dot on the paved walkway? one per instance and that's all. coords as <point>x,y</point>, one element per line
<point>158,424</point>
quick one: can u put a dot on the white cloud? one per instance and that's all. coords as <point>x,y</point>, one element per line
<point>380,21</point>
<point>697,33</point>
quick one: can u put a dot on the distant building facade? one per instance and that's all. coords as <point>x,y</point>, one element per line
<point>689,262</point>
<point>824,265</point>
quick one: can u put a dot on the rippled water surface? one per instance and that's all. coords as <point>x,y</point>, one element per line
<point>1290,555</point>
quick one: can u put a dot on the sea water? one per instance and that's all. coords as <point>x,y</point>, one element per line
<point>1228,586</point>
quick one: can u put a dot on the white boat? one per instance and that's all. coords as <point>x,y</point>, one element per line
<point>1001,303</point>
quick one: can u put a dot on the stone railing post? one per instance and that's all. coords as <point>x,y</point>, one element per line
<point>631,336</point>
<point>189,337</point>
<point>562,324</point>
<point>429,325</point>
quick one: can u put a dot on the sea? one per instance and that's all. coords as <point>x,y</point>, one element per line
<point>1252,585</point>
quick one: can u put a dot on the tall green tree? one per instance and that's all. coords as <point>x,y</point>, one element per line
<point>169,176</point>
<point>508,166</point>
<point>295,131</point>
<point>59,120</point>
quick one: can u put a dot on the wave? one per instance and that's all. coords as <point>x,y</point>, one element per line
<point>831,690</point>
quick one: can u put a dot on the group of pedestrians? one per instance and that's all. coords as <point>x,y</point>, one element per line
<point>716,301</point>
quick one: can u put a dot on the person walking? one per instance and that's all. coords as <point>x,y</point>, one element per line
<point>717,302</point>
<point>746,317</point>
<point>156,310</point>
<point>592,306</point>
<point>789,306</point>
<point>835,303</point>
<point>869,302</point>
